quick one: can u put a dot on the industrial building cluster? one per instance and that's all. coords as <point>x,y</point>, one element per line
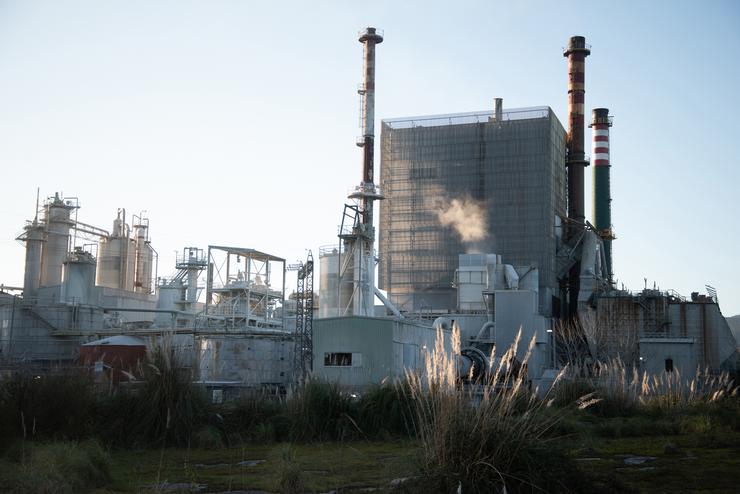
<point>482,227</point>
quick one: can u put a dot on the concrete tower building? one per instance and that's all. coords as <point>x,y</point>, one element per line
<point>469,183</point>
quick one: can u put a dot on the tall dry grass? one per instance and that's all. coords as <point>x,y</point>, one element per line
<point>624,388</point>
<point>486,438</point>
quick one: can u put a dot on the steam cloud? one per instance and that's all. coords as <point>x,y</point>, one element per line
<point>467,217</point>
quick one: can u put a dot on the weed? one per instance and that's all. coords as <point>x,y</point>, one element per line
<point>385,410</point>
<point>319,411</point>
<point>61,467</point>
<point>490,438</point>
<point>290,477</point>
<point>47,406</point>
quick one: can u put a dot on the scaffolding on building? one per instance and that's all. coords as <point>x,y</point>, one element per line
<point>509,165</point>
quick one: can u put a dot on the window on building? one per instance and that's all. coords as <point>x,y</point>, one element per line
<point>669,365</point>
<point>337,359</point>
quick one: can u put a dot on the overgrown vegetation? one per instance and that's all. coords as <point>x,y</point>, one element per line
<point>479,438</point>
<point>487,439</point>
<point>60,467</point>
<point>49,406</point>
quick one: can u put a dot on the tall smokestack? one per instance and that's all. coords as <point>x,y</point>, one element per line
<point>600,123</point>
<point>576,52</point>
<point>369,37</point>
<point>360,244</point>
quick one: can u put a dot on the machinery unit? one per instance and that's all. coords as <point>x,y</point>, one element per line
<point>243,289</point>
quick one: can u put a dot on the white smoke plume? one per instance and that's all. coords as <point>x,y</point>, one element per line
<point>467,216</point>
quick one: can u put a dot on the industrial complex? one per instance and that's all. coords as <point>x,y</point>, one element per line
<point>481,228</point>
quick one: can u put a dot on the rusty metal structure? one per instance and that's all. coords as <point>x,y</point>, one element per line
<point>576,160</point>
<point>355,259</point>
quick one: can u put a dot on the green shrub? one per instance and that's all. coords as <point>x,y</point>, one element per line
<point>567,392</point>
<point>386,410</point>
<point>264,432</point>
<point>207,437</point>
<point>639,426</point>
<point>319,411</point>
<point>290,476</point>
<point>61,467</point>
<point>253,417</point>
<point>47,406</point>
<point>165,407</point>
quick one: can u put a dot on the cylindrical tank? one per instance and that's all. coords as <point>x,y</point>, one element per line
<point>170,294</point>
<point>144,260</point>
<point>79,278</point>
<point>34,244</point>
<point>329,302</point>
<point>55,249</point>
<point>116,263</point>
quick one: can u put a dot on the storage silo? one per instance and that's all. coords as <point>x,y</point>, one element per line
<point>79,278</point>
<point>117,257</point>
<point>144,260</point>
<point>34,238</point>
<point>330,303</point>
<point>58,223</point>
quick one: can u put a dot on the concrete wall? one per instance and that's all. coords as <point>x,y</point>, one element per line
<point>516,310</point>
<point>655,351</point>
<point>27,330</point>
<point>381,349</point>
<point>252,360</point>
<point>660,327</point>
<point>371,338</point>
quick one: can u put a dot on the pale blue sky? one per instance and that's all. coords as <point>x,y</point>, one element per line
<point>234,122</point>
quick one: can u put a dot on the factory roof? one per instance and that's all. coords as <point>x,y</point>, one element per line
<point>120,340</point>
<point>466,118</point>
<point>255,254</point>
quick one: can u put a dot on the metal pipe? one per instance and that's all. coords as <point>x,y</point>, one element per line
<point>388,304</point>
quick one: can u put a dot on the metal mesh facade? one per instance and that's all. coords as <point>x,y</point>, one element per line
<point>513,167</point>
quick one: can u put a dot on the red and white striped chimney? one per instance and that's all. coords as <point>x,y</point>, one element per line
<point>600,126</point>
<point>602,186</point>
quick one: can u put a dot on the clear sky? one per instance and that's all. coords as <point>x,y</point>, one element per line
<point>234,122</point>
